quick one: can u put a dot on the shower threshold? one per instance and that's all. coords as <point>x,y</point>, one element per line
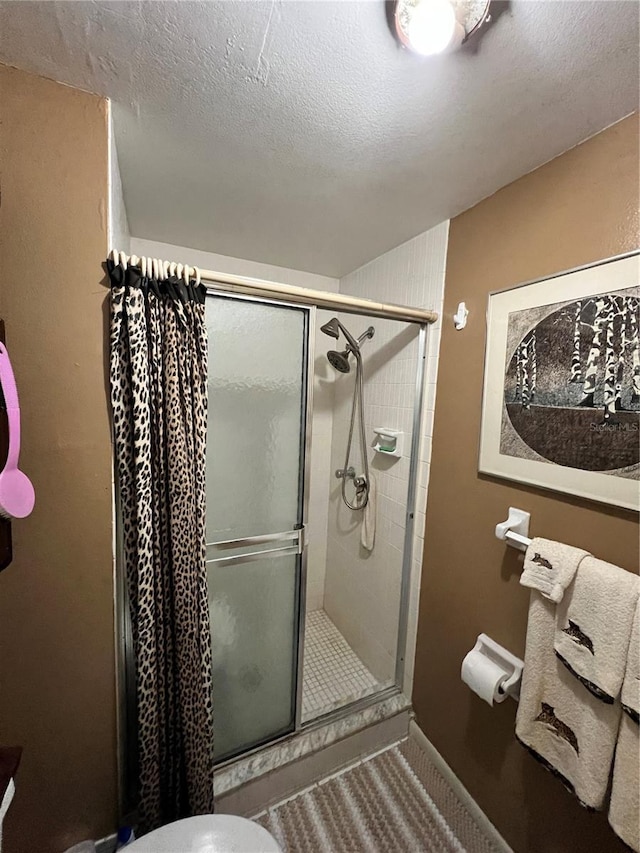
<point>342,699</point>
<point>334,675</point>
<point>362,718</point>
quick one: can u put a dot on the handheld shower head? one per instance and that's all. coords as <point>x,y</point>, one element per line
<point>339,360</point>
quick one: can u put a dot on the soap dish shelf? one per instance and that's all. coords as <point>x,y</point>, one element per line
<point>388,442</point>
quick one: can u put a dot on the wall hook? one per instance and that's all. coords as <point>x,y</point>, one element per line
<point>460,317</point>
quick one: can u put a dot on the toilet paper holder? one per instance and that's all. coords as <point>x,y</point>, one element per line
<point>512,665</point>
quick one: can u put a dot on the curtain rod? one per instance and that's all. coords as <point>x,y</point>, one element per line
<point>259,287</point>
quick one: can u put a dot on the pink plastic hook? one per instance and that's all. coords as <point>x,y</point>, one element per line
<point>17,495</point>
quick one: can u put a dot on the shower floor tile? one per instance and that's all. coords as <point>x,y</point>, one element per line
<point>333,673</point>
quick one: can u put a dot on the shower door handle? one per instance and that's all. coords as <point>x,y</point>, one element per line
<point>254,555</point>
<point>293,542</point>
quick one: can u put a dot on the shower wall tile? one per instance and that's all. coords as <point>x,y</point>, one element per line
<point>362,590</point>
<point>321,437</point>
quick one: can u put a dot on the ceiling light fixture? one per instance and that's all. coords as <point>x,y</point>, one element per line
<point>429,27</point>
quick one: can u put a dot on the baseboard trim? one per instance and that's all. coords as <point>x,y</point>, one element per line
<point>458,788</point>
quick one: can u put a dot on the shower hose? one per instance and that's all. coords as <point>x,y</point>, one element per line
<point>362,488</point>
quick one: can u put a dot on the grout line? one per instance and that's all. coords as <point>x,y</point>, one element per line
<point>333,673</point>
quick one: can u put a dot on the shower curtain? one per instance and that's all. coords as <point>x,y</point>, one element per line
<point>158,377</point>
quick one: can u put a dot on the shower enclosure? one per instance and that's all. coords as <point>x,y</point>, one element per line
<point>306,623</point>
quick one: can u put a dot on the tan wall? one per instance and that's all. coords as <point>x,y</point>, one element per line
<point>56,599</point>
<point>579,208</point>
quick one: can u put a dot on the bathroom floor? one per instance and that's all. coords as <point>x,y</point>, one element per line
<point>393,801</point>
<point>333,673</point>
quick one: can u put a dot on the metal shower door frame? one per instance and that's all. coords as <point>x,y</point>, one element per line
<point>410,517</point>
<point>408,544</point>
<point>396,687</point>
<point>298,546</point>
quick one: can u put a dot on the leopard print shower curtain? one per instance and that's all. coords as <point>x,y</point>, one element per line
<point>158,376</point>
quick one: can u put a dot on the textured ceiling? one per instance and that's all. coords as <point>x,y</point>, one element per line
<point>301,134</point>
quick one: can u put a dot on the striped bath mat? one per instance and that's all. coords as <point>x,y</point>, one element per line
<point>390,803</point>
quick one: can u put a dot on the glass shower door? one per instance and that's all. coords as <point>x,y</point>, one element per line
<point>255,475</point>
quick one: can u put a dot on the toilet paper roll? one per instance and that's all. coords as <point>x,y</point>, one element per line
<point>484,676</point>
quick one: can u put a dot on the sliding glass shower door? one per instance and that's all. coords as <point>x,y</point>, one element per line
<point>258,353</point>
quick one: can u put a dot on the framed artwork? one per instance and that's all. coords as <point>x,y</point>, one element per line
<point>561,401</point>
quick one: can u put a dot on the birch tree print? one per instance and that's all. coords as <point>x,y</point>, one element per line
<point>623,313</point>
<point>533,367</point>
<point>572,384</point>
<point>610,363</point>
<point>576,367</point>
<point>633,320</point>
<point>525,389</point>
<point>609,352</point>
<point>591,370</point>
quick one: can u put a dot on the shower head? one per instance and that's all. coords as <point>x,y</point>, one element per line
<point>332,328</point>
<point>339,360</point>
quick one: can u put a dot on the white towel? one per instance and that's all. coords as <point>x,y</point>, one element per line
<point>368,530</point>
<point>562,724</point>
<point>593,626</point>
<point>624,811</point>
<point>4,805</point>
<point>550,567</point>
<point>630,696</point>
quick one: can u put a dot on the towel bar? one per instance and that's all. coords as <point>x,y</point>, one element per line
<point>514,531</point>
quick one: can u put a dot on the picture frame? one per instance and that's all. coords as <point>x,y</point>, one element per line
<point>561,396</point>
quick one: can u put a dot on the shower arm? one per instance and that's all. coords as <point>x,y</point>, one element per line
<point>368,333</point>
<point>352,343</point>
<point>355,348</point>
